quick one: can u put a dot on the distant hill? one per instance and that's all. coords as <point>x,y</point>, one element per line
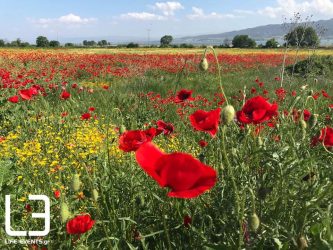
<point>260,34</point>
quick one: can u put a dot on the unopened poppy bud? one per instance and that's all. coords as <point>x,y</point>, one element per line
<point>122,129</point>
<point>302,243</point>
<point>76,183</point>
<point>254,222</point>
<point>228,114</point>
<point>95,194</point>
<point>260,142</point>
<point>310,93</point>
<point>204,64</point>
<point>315,80</point>
<point>303,124</point>
<point>313,120</point>
<point>64,212</point>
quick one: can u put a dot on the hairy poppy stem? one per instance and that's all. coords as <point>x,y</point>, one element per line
<point>166,229</point>
<point>218,70</point>
<point>235,189</point>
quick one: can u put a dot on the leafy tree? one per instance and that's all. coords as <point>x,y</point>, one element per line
<point>302,36</point>
<point>103,43</point>
<point>89,43</point>
<point>42,41</point>
<point>272,43</point>
<point>2,43</point>
<point>69,44</point>
<point>166,40</point>
<point>132,45</point>
<point>24,44</point>
<point>54,43</point>
<point>243,41</point>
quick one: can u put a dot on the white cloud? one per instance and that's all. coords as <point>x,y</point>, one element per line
<point>69,19</point>
<point>198,13</point>
<point>168,8</point>
<point>143,16</point>
<point>247,12</point>
<point>289,7</point>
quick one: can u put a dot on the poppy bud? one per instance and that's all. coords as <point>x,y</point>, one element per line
<point>302,243</point>
<point>260,142</point>
<point>95,194</point>
<point>315,80</point>
<point>64,212</point>
<point>228,114</point>
<point>313,120</point>
<point>310,93</point>
<point>204,64</point>
<point>122,129</point>
<point>254,222</point>
<point>76,183</point>
<point>303,124</point>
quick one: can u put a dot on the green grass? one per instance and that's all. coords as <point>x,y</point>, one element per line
<point>133,212</point>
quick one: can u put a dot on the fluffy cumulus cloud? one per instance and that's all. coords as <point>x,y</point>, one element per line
<point>70,19</point>
<point>198,13</point>
<point>168,8</point>
<point>289,7</point>
<point>160,11</point>
<point>143,16</point>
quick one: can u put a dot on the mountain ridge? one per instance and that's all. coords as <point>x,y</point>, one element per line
<point>258,33</point>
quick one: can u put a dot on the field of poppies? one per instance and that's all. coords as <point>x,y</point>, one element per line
<point>202,150</point>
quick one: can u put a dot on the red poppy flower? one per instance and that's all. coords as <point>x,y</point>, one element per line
<point>85,116</point>
<point>65,95</point>
<point>257,110</point>
<point>56,194</point>
<point>26,94</point>
<point>183,95</point>
<point>131,140</point>
<point>206,121</point>
<point>151,133</point>
<point>186,176</point>
<point>203,143</point>
<point>28,208</point>
<point>187,220</point>
<point>297,114</point>
<point>13,99</point>
<point>92,109</point>
<point>166,128</point>
<point>326,137</point>
<point>80,224</point>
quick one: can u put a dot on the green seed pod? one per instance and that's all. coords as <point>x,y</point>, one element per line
<point>302,243</point>
<point>64,212</point>
<point>228,114</point>
<point>313,120</point>
<point>254,222</point>
<point>303,124</point>
<point>122,129</point>
<point>95,195</point>
<point>76,183</point>
<point>260,142</point>
<point>204,64</point>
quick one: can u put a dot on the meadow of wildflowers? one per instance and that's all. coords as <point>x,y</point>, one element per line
<point>166,151</point>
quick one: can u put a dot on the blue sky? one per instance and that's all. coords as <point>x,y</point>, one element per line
<point>67,19</point>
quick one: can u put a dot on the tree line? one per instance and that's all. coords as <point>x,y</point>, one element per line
<point>300,36</point>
